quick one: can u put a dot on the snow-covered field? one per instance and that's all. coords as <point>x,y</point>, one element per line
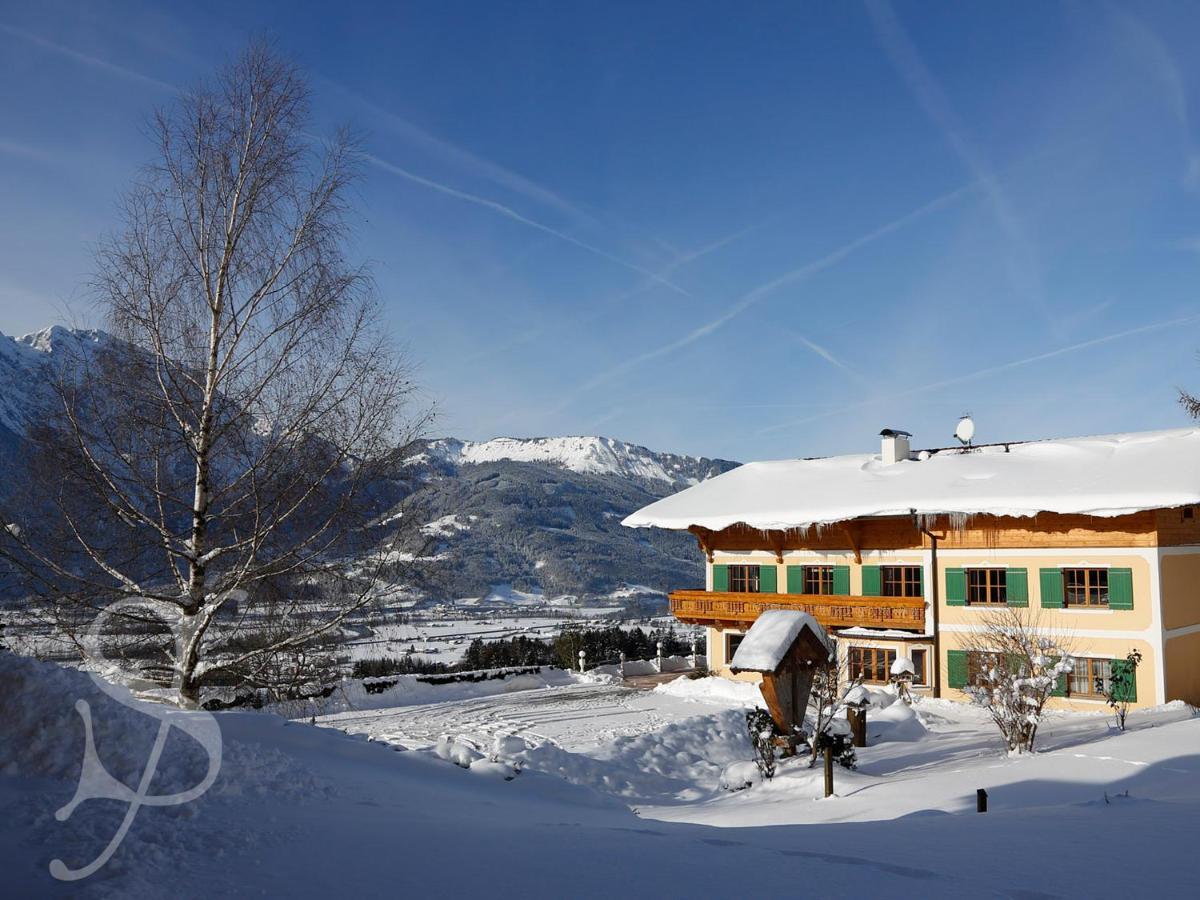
<point>444,635</point>
<point>618,795</point>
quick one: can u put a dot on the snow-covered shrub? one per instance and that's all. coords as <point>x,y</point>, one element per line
<point>457,752</point>
<point>839,742</point>
<point>1018,668</point>
<point>738,776</point>
<point>827,696</point>
<point>763,732</point>
<point>506,746</point>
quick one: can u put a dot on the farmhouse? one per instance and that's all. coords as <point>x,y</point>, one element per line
<point>902,555</point>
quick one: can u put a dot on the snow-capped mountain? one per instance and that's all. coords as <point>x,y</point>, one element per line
<point>543,516</point>
<point>29,365</point>
<point>534,516</point>
<point>585,455</point>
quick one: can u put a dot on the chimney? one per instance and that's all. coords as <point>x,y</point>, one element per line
<point>895,446</point>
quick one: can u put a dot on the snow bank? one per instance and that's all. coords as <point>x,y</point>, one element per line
<point>682,761</point>
<point>43,736</point>
<point>1109,475</point>
<point>861,695</point>
<point>645,666</point>
<point>410,690</point>
<point>896,722</point>
<point>771,636</point>
<point>713,690</point>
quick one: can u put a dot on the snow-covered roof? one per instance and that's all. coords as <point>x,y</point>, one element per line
<point>1105,475</point>
<point>770,637</point>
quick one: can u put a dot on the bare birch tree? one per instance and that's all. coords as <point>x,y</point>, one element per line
<point>213,469</point>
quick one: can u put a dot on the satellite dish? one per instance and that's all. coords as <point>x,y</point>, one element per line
<point>965,430</point>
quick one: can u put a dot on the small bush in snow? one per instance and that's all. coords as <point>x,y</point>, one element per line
<point>828,696</point>
<point>1019,670</point>
<point>840,744</point>
<point>762,738</point>
<point>737,776</point>
<point>1122,685</point>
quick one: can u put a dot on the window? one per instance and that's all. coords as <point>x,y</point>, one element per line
<point>731,644</point>
<point>918,661</point>
<point>743,579</point>
<point>986,587</point>
<point>818,579</point>
<point>871,663</point>
<point>1091,678</point>
<point>900,581</point>
<point>1085,587</point>
<point>978,665</point>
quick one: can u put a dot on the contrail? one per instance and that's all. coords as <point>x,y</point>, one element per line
<point>458,156</point>
<point>13,148</point>
<point>602,307</point>
<point>932,98</point>
<point>825,354</point>
<point>984,373</point>
<point>754,296</point>
<point>93,61</point>
<point>510,213</point>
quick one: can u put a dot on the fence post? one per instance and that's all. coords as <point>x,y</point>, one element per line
<point>693,651</point>
<point>857,718</point>
<point>828,771</point>
<point>622,663</point>
<point>660,656</point>
<point>981,800</point>
<point>582,660</point>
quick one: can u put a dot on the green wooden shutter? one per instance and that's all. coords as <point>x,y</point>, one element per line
<point>1017,587</point>
<point>795,579</point>
<point>841,580</point>
<point>1124,676</point>
<point>720,578</point>
<point>956,668</point>
<point>956,587</point>
<point>768,579</point>
<point>1060,686</point>
<point>870,581</point>
<point>1052,588</point>
<point>1120,588</point>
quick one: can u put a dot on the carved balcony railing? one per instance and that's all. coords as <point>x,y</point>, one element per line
<point>734,610</point>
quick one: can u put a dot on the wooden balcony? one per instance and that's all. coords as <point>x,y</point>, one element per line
<point>727,609</point>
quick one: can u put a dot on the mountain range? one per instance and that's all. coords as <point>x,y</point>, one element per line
<point>509,520</point>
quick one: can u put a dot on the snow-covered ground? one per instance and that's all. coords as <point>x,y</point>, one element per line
<point>443,639</point>
<point>618,796</point>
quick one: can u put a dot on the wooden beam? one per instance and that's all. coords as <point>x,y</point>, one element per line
<point>776,538</point>
<point>852,535</point>
<point>704,537</point>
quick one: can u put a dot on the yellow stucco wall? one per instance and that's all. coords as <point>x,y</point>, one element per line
<point>718,662</point>
<point>1180,575</point>
<point>1137,619</point>
<point>1183,668</point>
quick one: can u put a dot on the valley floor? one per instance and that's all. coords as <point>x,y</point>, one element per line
<point>618,797</point>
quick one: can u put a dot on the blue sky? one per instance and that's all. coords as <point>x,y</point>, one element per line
<point>740,230</point>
